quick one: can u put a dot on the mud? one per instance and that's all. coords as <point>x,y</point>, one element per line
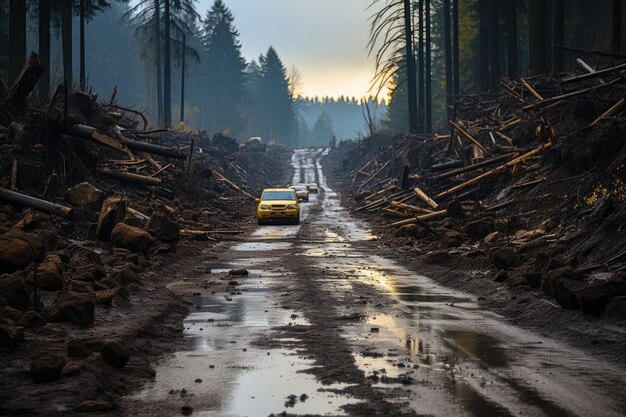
<point>329,321</point>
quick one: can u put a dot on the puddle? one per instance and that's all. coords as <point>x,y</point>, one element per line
<point>261,246</point>
<point>252,395</point>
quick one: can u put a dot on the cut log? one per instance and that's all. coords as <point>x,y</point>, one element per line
<point>421,194</point>
<point>532,90</point>
<point>468,136</point>
<point>492,172</point>
<point>125,145</point>
<point>473,167</point>
<point>610,112</point>
<point>92,134</point>
<point>423,217</point>
<point>124,176</point>
<point>591,75</point>
<point>19,199</point>
<point>410,207</point>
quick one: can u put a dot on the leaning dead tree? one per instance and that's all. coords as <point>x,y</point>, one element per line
<point>391,44</point>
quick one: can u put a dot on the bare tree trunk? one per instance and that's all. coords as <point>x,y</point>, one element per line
<point>182,81</point>
<point>483,34</point>
<point>66,35</point>
<point>494,43</point>
<point>511,37</point>
<point>616,27</point>
<point>410,67</point>
<point>429,101</point>
<point>537,36</point>
<point>420,73</point>
<point>82,45</point>
<point>167,73</point>
<point>17,37</point>
<point>455,47</point>
<point>558,39</point>
<point>157,28</point>
<point>448,57</point>
<point>44,47</point>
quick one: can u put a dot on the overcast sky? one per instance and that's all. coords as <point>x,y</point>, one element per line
<point>324,39</point>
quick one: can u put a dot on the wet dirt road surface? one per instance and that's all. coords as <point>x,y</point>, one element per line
<point>325,324</point>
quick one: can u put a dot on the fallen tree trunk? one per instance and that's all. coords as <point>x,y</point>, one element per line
<point>493,172</point>
<point>130,177</point>
<point>233,185</point>
<point>36,203</point>
<point>473,167</point>
<point>423,217</point>
<point>468,136</point>
<point>123,145</point>
<point>421,194</point>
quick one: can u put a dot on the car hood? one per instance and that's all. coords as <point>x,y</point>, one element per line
<point>278,202</point>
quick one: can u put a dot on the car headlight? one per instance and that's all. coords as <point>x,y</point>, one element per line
<point>265,207</point>
<point>292,206</point>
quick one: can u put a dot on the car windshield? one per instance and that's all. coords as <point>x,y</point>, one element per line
<point>278,195</point>
<point>299,188</point>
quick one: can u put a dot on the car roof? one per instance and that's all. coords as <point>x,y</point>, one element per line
<point>278,189</point>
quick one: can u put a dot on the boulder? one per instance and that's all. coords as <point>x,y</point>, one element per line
<point>115,354</point>
<point>16,253</point>
<point>411,230</point>
<point>77,348</point>
<point>163,228</point>
<point>595,298</point>
<point>504,258</point>
<point>533,278</point>
<point>15,291</point>
<point>47,368</point>
<point>112,212</point>
<point>452,239</point>
<point>76,308</point>
<point>31,320</point>
<point>80,286</point>
<point>48,277</point>
<point>478,229</point>
<point>106,296</point>
<point>131,238</point>
<point>616,308</point>
<point>10,337</point>
<point>83,194</point>
<point>11,313</point>
<point>551,278</point>
<point>566,290</point>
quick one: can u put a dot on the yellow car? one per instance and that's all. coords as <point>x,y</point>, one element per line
<point>278,204</point>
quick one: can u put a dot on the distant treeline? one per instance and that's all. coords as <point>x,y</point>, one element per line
<point>149,49</point>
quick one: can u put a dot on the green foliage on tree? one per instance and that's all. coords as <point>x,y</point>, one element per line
<point>273,114</point>
<point>223,72</point>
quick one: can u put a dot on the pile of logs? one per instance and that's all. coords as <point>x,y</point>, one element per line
<point>128,156</point>
<point>506,132</point>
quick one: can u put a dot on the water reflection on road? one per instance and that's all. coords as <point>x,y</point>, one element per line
<point>434,345</point>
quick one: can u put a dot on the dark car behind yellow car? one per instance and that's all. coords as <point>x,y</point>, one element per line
<point>279,204</point>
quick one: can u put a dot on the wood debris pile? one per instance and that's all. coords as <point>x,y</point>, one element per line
<point>90,196</point>
<point>530,180</point>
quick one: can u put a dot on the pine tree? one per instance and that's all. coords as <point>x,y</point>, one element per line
<point>224,70</point>
<point>322,130</point>
<point>276,110</point>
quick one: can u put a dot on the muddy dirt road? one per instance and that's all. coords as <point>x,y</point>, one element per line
<point>327,324</point>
